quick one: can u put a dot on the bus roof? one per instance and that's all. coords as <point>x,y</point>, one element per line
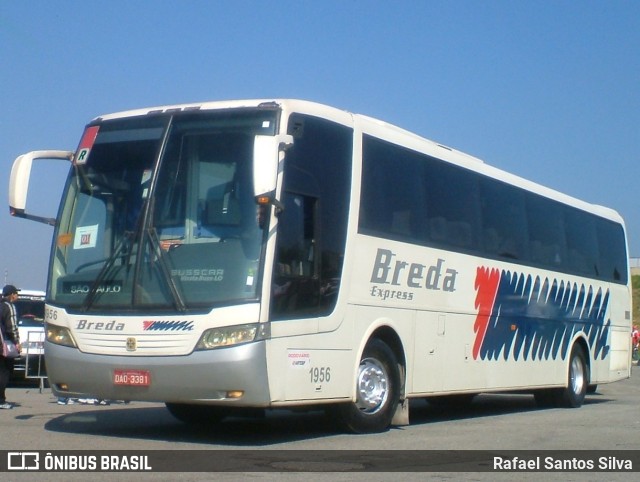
<point>386,131</point>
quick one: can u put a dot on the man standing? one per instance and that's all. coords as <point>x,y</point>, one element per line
<point>9,327</point>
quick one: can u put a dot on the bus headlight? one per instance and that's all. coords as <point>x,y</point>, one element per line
<point>233,335</point>
<point>60,336</point>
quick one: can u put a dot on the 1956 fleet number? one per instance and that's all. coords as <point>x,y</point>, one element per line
<point>320,375</point>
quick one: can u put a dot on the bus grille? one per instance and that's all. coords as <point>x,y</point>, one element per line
<point>135,344</point>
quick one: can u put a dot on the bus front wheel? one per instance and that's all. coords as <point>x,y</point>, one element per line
<point>377,391</point>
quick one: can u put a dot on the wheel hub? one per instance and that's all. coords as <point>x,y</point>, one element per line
<point>577,375</point>
<point>372,386</point>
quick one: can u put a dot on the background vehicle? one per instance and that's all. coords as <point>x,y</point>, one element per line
<point>30,309</point>
<point>285,254</point>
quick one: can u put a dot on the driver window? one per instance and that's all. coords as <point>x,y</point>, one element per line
<point>296,281</point>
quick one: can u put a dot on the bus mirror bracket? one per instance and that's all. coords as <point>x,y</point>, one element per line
<point>268,154</point>
<point>19,183</point>
<point>270,199</point>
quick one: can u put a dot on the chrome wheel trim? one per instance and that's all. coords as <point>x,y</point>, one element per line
<point>577,375</point>
<point>373,386</point>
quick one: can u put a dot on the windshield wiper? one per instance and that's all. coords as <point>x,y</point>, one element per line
<point>175,293</point>
<point>89,299</point>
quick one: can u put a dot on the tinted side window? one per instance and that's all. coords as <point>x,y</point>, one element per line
<point>504,221</point>
<point>582,243</point>
<point>312,230</point>
<point>612,251</point>
<point>394,193</point>
<point>412,197</point>
<point>546,233</point>
<point>452,206</point>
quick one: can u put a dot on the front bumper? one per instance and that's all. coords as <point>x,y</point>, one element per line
<point>202,376</point>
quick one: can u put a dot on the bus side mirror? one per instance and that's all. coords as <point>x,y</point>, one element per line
<point>268,153</point>
<point>19,182</point>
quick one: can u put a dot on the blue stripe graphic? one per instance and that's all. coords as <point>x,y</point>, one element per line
<point>535,319</point>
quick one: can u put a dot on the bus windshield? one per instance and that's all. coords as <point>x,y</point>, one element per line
<point>159,213</point>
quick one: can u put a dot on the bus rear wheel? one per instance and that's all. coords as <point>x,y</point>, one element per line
<point>571,396</point>
<point>197,414</point>
<point>377,391</point>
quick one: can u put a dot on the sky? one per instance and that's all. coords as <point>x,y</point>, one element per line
<point>547,89</point>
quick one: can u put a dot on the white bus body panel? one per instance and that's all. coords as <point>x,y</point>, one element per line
<point>315,360</point>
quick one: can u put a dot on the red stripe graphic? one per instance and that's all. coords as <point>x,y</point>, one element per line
<point>486,286</point>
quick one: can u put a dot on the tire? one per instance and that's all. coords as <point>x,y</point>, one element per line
<point>197,414</point>
<point>572,396</point>
<point>377,391</point>
<point>592,388</point>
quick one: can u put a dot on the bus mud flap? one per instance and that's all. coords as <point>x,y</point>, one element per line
<point>401,416</point>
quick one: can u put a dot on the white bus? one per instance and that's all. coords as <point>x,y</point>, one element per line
<point>282,253</point>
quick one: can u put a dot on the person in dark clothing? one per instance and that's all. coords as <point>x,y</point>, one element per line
<point>9,327</point>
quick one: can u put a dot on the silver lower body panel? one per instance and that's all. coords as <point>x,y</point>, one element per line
<point>200,377</point>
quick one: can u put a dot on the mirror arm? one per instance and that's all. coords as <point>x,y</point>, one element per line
<point>270,199</point>
<point>32,217</point>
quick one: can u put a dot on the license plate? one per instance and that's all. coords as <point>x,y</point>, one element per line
<point>132,378</point>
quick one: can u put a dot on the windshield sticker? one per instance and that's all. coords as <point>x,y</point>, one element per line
<point>64,239</point>
<point>146,177</point>
<point>86,237</point>
<point>169,244</point>
<point>250,278</point>
<point>88,139</point>
<point>195,274</point>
